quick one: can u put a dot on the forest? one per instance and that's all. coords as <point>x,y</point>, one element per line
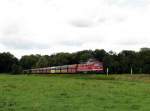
<point>118,63</point>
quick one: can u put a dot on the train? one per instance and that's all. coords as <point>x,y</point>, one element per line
<point>91,66</point>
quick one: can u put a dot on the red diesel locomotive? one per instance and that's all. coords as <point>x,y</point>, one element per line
<point>90,66</point>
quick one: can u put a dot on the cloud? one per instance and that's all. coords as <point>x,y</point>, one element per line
<point>129,3</point>
<point>131,41</point>
<point>81,23</point>
<point>102,20</point>
<point>21,43</point>
<point>71,43</point>
<point>14,38</point>
<point>34,26</point>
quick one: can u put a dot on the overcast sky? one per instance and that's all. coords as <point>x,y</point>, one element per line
<point>50,26</point>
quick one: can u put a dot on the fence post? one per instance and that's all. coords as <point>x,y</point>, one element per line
<point>107,71</point>
<point>131,71</point>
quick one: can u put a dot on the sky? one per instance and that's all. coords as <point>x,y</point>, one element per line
<point>51,26</point>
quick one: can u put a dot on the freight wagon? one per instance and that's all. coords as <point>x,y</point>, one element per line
<point>91,65</point>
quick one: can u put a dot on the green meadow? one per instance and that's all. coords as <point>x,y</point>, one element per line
<point>74,92</point>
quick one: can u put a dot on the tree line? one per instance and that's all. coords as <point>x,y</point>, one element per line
<point>118,63</point>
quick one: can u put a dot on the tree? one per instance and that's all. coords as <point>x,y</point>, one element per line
<point>110,61</point>
<point>42,62</point>
<point>83,56</point>
<point>6,62</point>
<point>127,60</point>
<point>99,54</point>
<point>144,60</point>
<point>28,62</point>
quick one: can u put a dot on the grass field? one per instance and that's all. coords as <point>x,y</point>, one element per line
<point>74,93</point>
